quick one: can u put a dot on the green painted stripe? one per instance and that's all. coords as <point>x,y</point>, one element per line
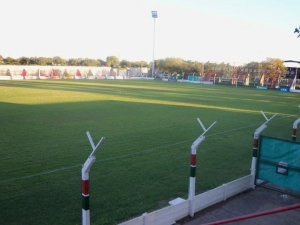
<point>254,152</point>
<point>193,171</point>
<point>86,202</point>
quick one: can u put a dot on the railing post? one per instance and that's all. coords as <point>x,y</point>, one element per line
<point>255,148</point>
<point>194,147</point>
<point>254,154</point>
<point>295,124</point>
<point>85,183</point>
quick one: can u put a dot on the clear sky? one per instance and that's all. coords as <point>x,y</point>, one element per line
<point>231,31</point>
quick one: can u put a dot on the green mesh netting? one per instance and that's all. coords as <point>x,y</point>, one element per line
<point>278,162</point>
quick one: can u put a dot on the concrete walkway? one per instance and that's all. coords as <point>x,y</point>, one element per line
<point>253,201</point>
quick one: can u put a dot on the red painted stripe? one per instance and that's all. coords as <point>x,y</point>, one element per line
<point>85,186</point>
<point>193,160</point>
<point>294,132</point>
<point>255,143</point>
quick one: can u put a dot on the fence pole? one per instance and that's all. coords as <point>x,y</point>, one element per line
<point>295,124</point>
<point>194,147</point>
<point>254,154</point>
<point>85,183</point>
<point>193,174</point>
<point>255,148</point>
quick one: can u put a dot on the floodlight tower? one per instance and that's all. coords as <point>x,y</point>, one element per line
<point>154,16</point>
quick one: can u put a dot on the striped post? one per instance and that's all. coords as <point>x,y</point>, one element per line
<point>85,187</point>
<point>295,124</point>
<point>255,147</point>
<point>254,154</point>
<point>194,147</point>
<point>193,174</point>
<point>85,182</point>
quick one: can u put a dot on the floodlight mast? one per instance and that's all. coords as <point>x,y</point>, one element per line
<point>154,16</point>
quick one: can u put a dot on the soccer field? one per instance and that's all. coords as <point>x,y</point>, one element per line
<point>144,161</point>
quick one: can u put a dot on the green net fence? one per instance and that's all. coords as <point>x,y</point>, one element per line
<point>279,162</point>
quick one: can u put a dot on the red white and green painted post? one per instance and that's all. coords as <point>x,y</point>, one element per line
<point>295,124</point>
<point>85,182</point>
<point>255,148</point>
<point>254,154</point>
<point>194,147</point>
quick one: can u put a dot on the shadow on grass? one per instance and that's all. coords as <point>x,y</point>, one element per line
<point>142,164</point>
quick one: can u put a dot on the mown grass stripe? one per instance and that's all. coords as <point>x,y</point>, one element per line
<point>149,126</point>
<point>122,156</point>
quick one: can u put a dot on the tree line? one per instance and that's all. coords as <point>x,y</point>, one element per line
<point>271,67</point>
<point>111,61</point>
<point>168,66</point>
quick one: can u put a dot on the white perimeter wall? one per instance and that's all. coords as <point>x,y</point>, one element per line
<point>169,215</point>
<point>71,70</point>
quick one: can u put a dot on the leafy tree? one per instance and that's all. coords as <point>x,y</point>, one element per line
<point>73,62</point>
<point>49,61</point>
<point>171,65</point>
<point>178,66</point>
<point>23,60</point>
<point>94,62</point>
<point>254,69</point>
<point>193,67</point>
<point>101,62</point>
<point>218,69</point>
<point>10,61</point>
<point>139,64</point>
<point>33,61</point>
<point>275,66</point>
<point>125,64</point>
<point>112,61</point>
<point>42,61</point>
<point>160,63</point>
<point>83,62</point>
<point>58,61</point>
<point>89,62</point>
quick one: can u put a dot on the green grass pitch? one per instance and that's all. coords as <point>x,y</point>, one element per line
<point>144,161</point>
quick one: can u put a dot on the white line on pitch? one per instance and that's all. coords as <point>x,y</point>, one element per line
<point>118,157</point>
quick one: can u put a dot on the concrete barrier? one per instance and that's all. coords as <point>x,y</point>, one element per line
<point>170,214</point>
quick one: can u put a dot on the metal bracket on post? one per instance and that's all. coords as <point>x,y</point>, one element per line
<point>263,126</point>
<point>267,120</point>
<point>85,181</point>
<point>259,130</point>
<point>91,159</point>
<point>255,146</point>
<point>197,142</point>
<point>92,143</point>
<point>194,147</point>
